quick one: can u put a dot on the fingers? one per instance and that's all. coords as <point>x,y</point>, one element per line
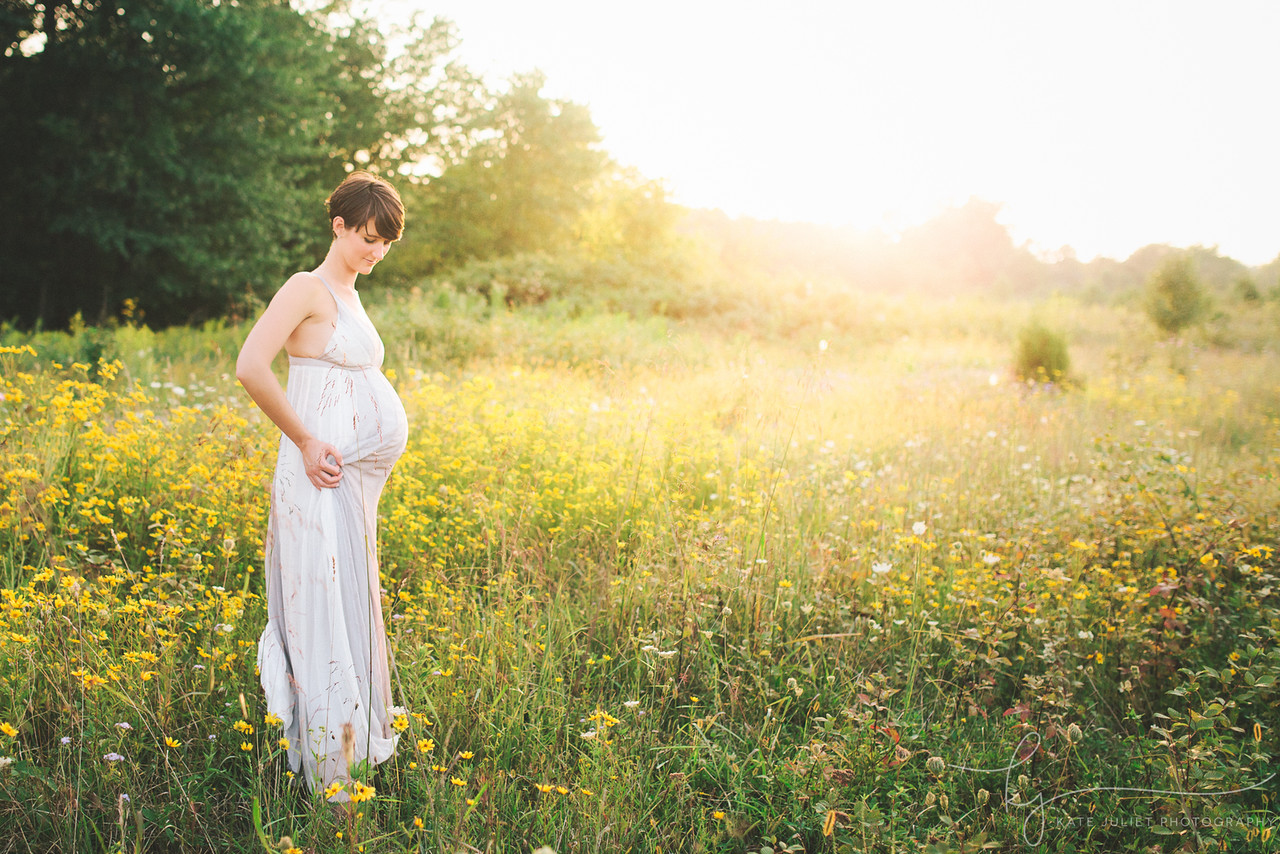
<point>324,479</point>
<point>331,462</point>
<point>323,464</point>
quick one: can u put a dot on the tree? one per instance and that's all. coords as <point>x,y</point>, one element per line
<point>521,188</point>
<point>629,217</point>
<point>177,151</point>
<point>961,249</point>
<point>1175,298</point>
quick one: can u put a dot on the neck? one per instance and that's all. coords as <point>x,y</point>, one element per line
<point>337,272</point>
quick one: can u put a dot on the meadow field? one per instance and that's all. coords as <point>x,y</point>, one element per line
<point>822,576</point>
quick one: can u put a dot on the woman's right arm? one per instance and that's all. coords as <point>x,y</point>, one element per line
<point>288,309</point>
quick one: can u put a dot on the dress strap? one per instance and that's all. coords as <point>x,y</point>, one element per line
<point>326,286</point>
<point>340,302</point>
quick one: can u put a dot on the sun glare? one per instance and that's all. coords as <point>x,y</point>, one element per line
<point>1103,127</point>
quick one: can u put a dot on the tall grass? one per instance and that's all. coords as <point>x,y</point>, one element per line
<point>654,584</point>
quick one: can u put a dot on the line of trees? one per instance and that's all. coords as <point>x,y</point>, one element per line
<point>177,152</point>
<point>962,250</point>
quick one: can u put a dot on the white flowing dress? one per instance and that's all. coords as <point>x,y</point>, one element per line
<point>322,657</point>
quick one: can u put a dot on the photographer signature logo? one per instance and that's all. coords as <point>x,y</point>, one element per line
<point>1037,807</point>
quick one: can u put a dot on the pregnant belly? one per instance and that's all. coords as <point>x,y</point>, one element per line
<point>357,411</point>
<point>382,428</point>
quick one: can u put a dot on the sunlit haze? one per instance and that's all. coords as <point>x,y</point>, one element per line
<point>1103,126</point>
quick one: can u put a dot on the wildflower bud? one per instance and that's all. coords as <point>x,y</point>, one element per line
<point>936,765</point>
<point>286,842</point>
<point>930,799</point>
<point>349,744</point>
<point>944,802</point>
<point>1074,734</point>
<point>1023,781</point>
<point>983,797</point>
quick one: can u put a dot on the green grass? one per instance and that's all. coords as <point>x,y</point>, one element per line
<point>672,583</point>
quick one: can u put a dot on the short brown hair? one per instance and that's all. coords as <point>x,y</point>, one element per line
<point>362,197</point>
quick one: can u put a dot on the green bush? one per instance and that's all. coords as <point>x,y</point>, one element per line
<point>1246,290</point>
<point>584,285</point>
<point>1041,354</point>
<point>1175,297</point>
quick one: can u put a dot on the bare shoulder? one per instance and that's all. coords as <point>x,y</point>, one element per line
<point>302,284</point>
<point>297,304</point>
<point>302,294</point>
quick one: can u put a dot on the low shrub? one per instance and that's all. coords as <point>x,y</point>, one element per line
<point>1041,355</point>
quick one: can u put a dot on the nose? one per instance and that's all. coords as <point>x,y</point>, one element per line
<point>380,251</point>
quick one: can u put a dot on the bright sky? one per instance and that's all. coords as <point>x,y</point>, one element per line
<point>1102,125</point>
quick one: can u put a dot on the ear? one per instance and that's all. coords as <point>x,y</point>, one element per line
<point>337,224</point>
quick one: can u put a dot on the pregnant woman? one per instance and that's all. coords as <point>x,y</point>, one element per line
<point>323,654</point>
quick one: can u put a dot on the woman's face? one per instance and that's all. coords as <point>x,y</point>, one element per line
<point>361,247</point>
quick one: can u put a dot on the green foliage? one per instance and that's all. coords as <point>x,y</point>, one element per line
<point>649,594</point>
<point>211,347</point>
<point>178,151</point>
<point>629,217</point>
<point>1245,289</point>
<point>522,188</point>
<point>1175,297</point>
<point>581,284</point>
<point>1041,354</point>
